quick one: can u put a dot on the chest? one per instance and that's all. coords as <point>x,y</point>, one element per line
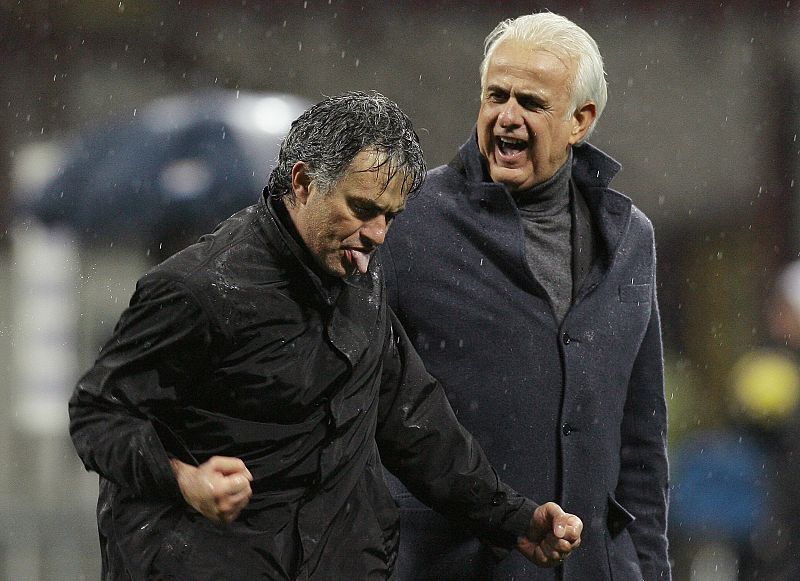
<point>285,354</point>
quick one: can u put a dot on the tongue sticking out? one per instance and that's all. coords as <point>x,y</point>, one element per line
<point>360,259</point>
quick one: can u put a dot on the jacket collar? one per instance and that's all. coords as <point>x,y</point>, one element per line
<point>592,167</point>
<point>354,303</point>
<point>284,239</point>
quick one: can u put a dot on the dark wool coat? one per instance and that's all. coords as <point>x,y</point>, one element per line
<point>236,347</point>
<point>571,412</point>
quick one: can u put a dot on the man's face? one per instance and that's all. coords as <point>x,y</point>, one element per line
<point>343,227</point>
<point>524,131</point>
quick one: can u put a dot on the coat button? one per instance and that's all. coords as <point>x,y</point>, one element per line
<point>566,429</point>
<point>566,338</point>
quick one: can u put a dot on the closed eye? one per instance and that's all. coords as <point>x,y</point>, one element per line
<point>365,212</point>
<point>532,103</point>
<point>392,215</point>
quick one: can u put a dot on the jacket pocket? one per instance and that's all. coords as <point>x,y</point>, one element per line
<point>635,293</point>
<point>618,517</point>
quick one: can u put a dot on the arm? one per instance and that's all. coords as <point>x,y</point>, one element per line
<point>422,442</point>
<point>644,479</point>
<point>118,409</point>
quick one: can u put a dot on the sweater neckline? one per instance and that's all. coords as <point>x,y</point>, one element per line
<point>549,197</point>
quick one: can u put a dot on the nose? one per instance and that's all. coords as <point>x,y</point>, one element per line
<point>375,230</point>
<point>510,116</point>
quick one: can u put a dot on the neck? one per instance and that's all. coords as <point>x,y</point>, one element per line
<point>551,192</point>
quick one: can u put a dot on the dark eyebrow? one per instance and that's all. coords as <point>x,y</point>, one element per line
<point>372,206</point>
<point>366,204</point>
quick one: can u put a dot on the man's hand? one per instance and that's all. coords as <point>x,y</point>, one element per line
<point>218,489</point>
<point>553,534</point>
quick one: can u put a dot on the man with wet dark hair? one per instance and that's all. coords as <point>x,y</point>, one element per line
<point>241,413</point>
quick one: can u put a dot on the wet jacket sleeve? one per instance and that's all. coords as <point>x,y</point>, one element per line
<point>424,445</point>
<point>116,409</point>
<point>643,481</point>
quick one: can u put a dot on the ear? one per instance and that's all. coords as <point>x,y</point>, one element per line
<point>582,121</point>
<point>300,182</point>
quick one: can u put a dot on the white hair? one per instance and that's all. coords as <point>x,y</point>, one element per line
<point>545,30</point>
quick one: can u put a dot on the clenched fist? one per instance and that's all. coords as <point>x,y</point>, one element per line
<point>218,489</point>
<point>553,534</point>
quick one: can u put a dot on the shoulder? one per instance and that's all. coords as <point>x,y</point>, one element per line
<point>616,203</point>
<point>235,256</point>
<point>444,176</point>
<point>233,247</point>
<point>641,225</point>
<point>440,184</point>
<point>440,194</point>
<point>640,218</point>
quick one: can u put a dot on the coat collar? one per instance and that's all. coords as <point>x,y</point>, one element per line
<point>592,172</point>
<point>286,243</point>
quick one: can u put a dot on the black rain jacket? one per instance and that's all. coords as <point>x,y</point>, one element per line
<point>236,347</point>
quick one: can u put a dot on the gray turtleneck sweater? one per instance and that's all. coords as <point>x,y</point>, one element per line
<point>547,222</point>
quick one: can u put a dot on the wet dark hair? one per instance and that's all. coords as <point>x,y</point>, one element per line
<point>330,134</point>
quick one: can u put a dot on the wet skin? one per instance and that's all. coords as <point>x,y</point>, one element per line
<point>342,228</point>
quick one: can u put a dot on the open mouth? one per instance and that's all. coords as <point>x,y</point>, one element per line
<point>509,146</point>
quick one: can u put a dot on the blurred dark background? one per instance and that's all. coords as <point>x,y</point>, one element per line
<point>703,114</point>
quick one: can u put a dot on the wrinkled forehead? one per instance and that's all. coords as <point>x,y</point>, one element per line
<point>521,52</point>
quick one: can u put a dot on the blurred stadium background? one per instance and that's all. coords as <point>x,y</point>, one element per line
<point>704,113</point>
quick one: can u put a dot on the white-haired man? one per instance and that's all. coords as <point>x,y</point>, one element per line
<point>528,287</point>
